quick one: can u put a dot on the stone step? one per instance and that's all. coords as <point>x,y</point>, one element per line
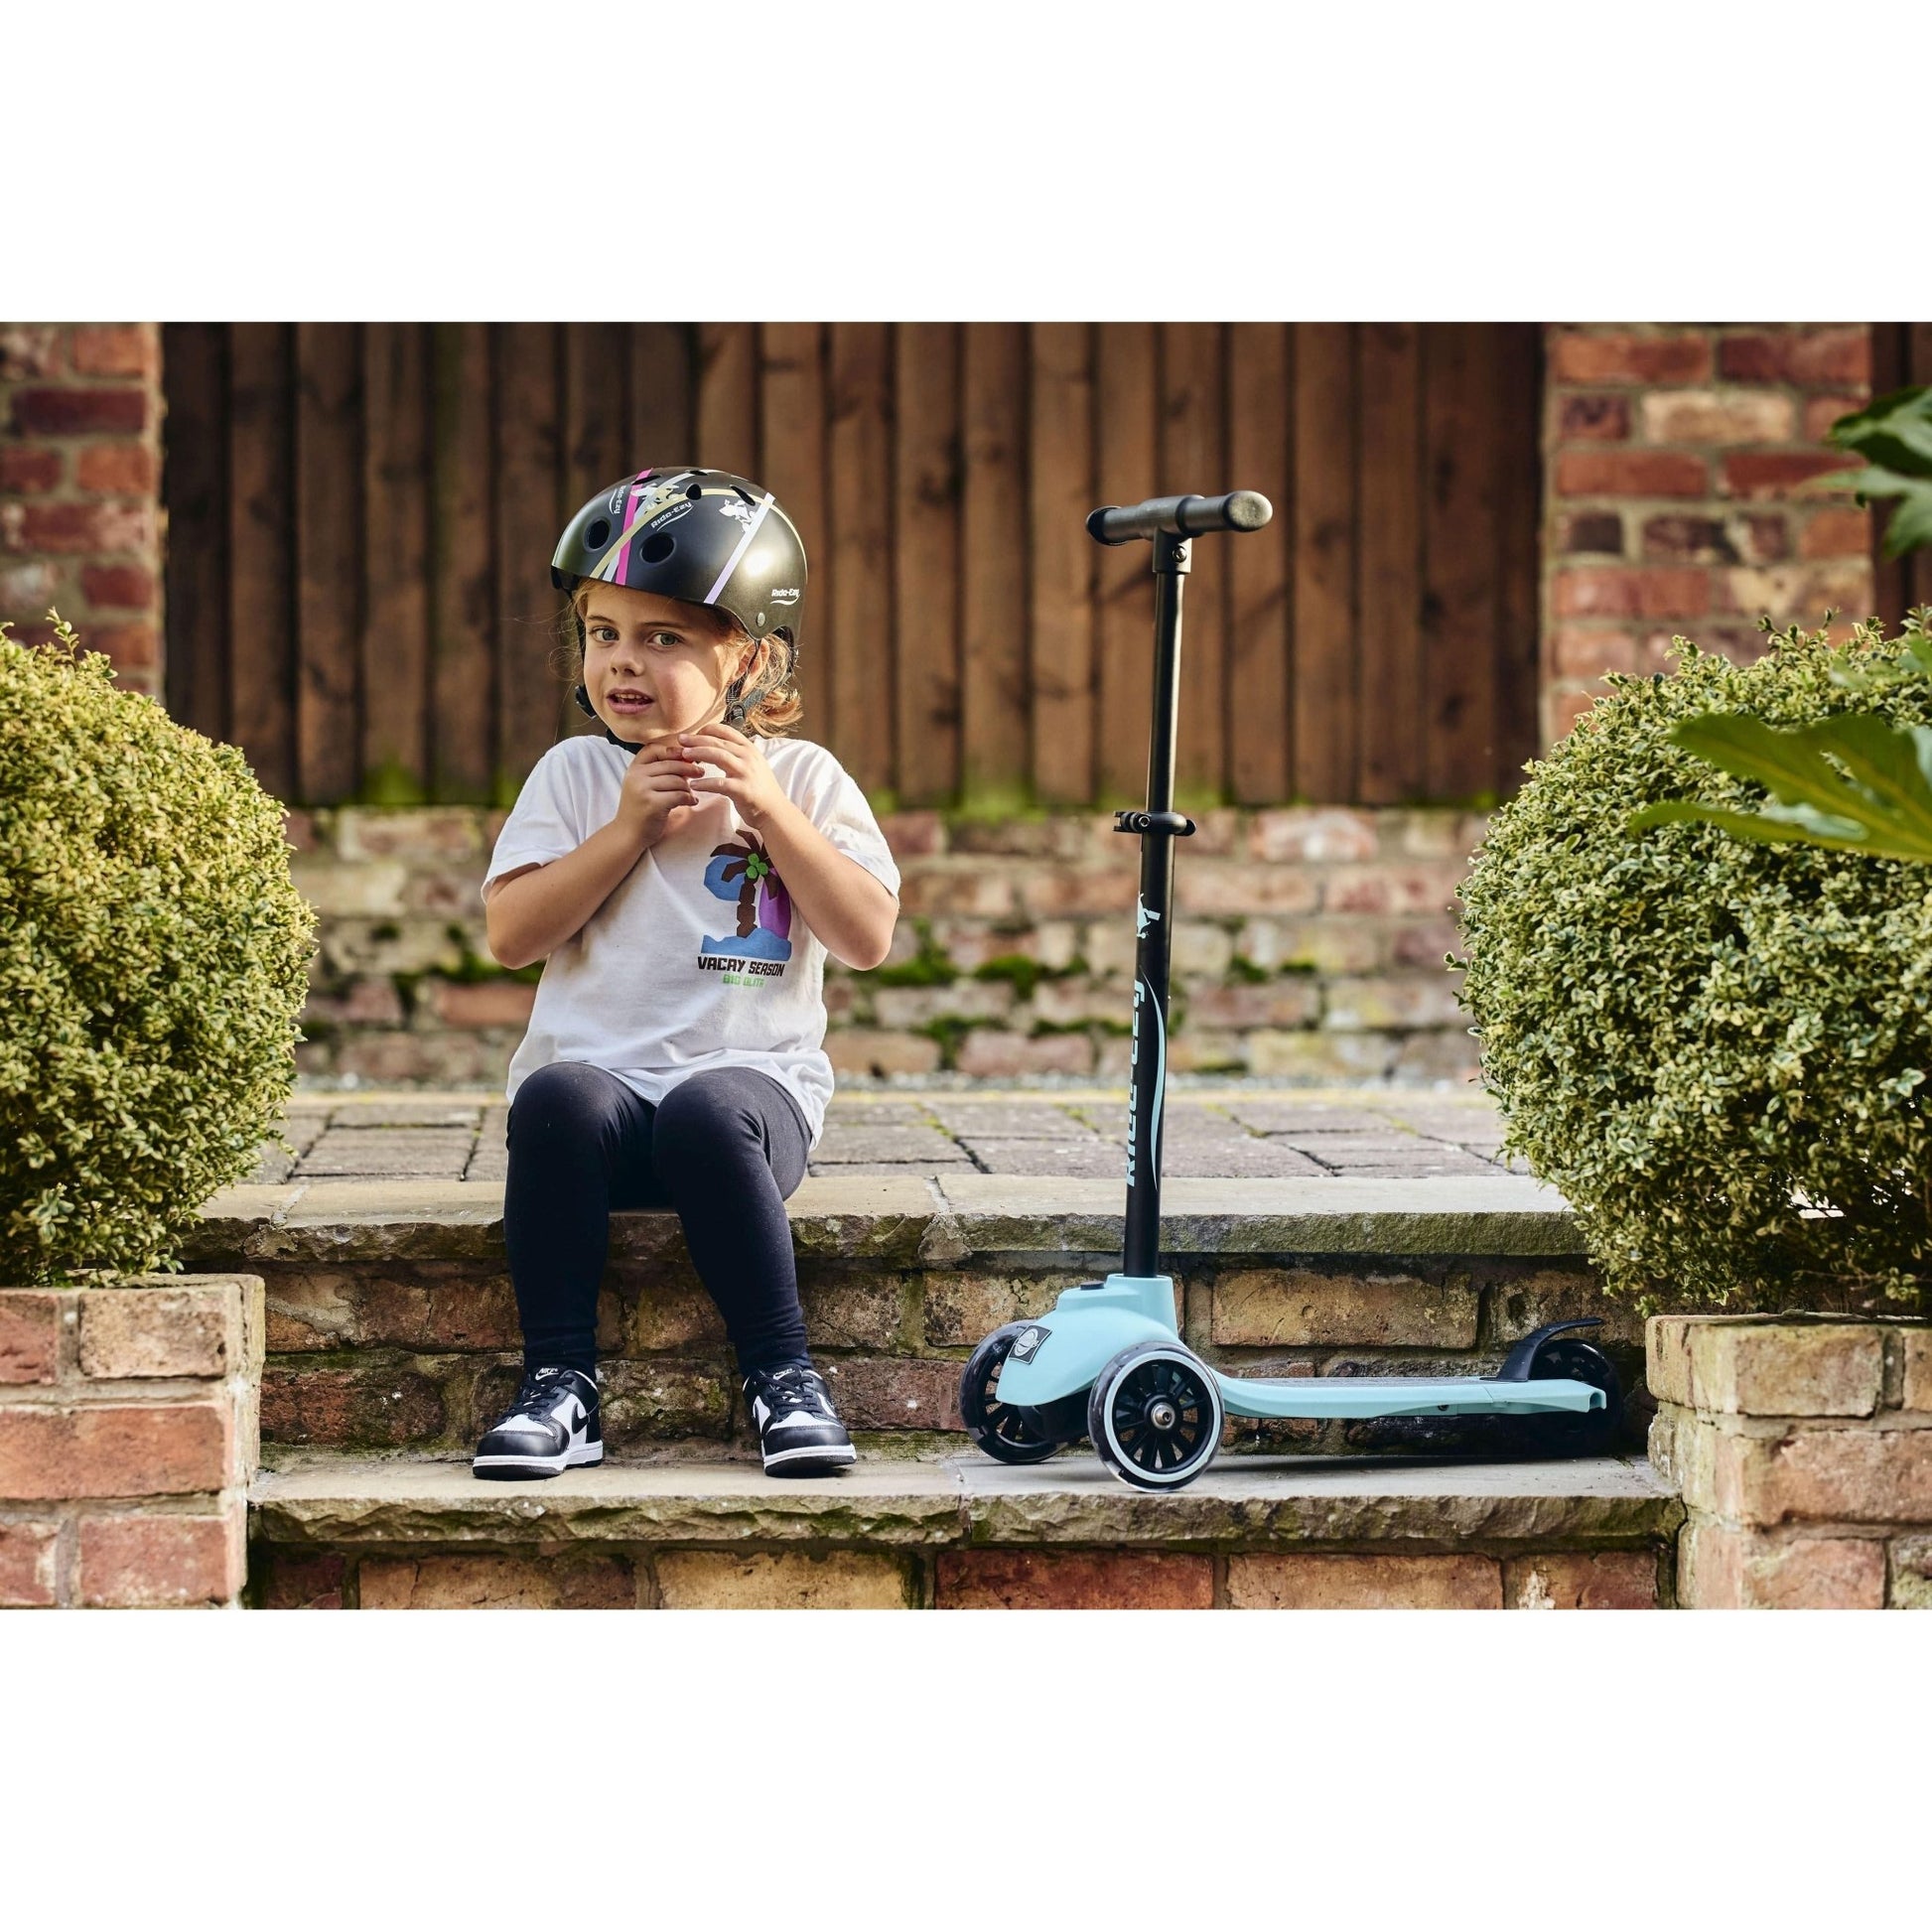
<point>392,1321</point>
<point>335,1529</point>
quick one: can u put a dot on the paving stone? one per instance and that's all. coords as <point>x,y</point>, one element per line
<point>426,1153</point>
<point>842,1142</point>
<point>893,1168</point>
<point>1017,1119</point>
<point>1442,1163</point>
<point>861,1110</point>
<point>1087,1158</point>
<point>426,1112</point>
<point>1306,1117</point>
<point>1236,1159</point>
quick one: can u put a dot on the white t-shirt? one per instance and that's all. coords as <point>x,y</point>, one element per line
<point>697,959</point>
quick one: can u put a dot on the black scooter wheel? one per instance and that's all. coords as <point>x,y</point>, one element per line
<point>1154,1415</point>
<point>1595,1432</point>
<point>1003,1430</point>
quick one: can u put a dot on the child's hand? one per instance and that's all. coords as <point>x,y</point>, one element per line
<point>746,778</point>
<point>657,797</point>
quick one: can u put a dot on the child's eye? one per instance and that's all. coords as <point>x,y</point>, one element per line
<point>665,639</point>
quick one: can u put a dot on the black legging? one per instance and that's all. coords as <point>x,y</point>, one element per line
<point>722,1148</point>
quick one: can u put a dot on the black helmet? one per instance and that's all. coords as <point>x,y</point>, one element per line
<point>703,536</point>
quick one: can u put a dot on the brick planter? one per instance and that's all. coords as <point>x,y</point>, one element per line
<point>128,1437</point>
<point>1802,1449</point>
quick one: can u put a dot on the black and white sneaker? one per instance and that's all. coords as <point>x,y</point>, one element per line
<point>551,1427</point>
<point>799,1434</point>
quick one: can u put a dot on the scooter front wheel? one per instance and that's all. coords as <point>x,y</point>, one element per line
<point>1003,1430</point>
<point>1154,1415</point>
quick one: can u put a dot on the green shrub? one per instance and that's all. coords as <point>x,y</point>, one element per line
<point>1717,1050</point>
<point>155,962</point>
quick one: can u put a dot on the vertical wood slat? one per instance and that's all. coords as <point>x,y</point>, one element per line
<point>1259,727</point>
<point>925,546</point>
<point>261,577</point>
<point>462,600</point>
<point>395,633</point>
<point>660,392</point>
<point>327,558</point>
<point>195,487</point>
<point>994,700</point>
<point>1459,589</point>
<point>1326,702</point>
<point>1391,754</point>
<point>1517,399</point>
<point>530,515</point>
<point>861,498</point>
<point>1127,399</point>
<point>596,432</point>
<point>727,403</point>
<point>1194,460</point>
<point>1060,443</point>
<point>1890,576</point>
<point>791,404</point>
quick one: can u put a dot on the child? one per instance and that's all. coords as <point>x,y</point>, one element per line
<point>683,877</point>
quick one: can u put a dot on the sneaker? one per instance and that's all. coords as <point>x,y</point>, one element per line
<point>551,1427</point>
<point>798,1431</point>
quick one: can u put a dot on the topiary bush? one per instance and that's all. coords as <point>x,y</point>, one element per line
<point>1719,1051</point>
<point>155,960</point>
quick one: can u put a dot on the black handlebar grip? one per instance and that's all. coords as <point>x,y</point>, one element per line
<point>1181,517</point>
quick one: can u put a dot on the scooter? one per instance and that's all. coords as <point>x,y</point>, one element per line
<point>1108,1363</point>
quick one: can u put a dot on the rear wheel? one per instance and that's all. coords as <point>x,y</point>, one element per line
<point>1593,1433</point>
<point>1154,1415</point>
<point>1003,1430</point>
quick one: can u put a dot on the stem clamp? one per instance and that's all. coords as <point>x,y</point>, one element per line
<point>1172,825</point>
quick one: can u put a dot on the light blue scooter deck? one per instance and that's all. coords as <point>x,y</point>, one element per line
<point>1403,1394</point>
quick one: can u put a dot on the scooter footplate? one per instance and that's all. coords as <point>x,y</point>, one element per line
<point>1353,1396</point>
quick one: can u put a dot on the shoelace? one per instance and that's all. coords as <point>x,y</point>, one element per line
<point>786,1389</point>
<point>536,1396</point>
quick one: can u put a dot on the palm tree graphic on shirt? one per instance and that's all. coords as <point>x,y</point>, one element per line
<point>742,871</point>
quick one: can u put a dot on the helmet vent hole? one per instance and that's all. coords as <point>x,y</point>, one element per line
<point>599,534</point>
<point>656,549</point>
<point>695,493</point>
<point>744,496</point>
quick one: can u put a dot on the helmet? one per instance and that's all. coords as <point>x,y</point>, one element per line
<point>702,536</point>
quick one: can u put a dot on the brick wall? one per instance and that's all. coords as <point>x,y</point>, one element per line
<point>128,1437</point>
<point>1675,493</point>
<point>1804,1453</point>
<point>1309,948</point>
<point>79,488</point>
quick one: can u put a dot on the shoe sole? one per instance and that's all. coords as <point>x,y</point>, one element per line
<point>529,1468</point>
<point>806,1462</point>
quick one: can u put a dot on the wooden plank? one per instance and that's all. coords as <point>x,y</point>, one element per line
<point>195,488</point>
<point>530,517</point>
<point>925,547</point>
<point>860,509</point>
<point>463,603</point>
<point>597,431</point>
<point>1518,404</point>
<point>1891,347</point>
<point>1060,609</point>
<point>1390,756</point>
<point>663,358</point>
<point>1193,460</point>
<point>994,704</point>
<point>1127,401</point>
<point>1325,701</point>
<point>791,404</point>
<point>1259,725</point>
<point>327,559</point>
<point>728,404</point>
<point>1918,363</point>
<point>395,639</point>
<point>1459,602</point>
<point>261,580</point>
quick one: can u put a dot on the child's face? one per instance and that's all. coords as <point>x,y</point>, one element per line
<point>653,665</point>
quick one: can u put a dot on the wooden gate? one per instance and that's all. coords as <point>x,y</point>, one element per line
<point>361,519</point>
<point>1902,358</point>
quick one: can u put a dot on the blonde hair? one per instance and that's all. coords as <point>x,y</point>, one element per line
<point>776,712</point>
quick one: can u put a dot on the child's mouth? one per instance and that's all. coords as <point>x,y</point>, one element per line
<point>631,702</point>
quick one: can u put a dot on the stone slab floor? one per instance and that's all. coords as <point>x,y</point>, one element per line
<point>1066,1134</point>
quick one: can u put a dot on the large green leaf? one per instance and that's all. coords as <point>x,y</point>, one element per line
<point>1894,434</point>
<point>1851,783</point>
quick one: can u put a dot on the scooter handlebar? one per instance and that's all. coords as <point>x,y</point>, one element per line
<point>1181,517</point>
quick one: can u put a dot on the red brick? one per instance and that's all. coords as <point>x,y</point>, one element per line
<point>1740,536</point>
<point>115,469</point>
<point>915,835</point>
<point>129,646</point>
<point>298,829</point>
<point>117,586</point>
<point>1315,836</point>
<point>1392,888</point>
<point>114,349</point>
<point>1600,531</point>
<point>158,1563</point>
<point>1837,533</point>
<point>988,1054</point>
<point>370,1407</point>
<point>1583,1579</point>
<point>1634,592</point>
<point>1563,709</point>
<point>80,412</point>
<point>127,1334</point>
<point>1630,359</point>
<point>74,529</point>
<point>25,471</point>
<point>1773,472</point>
<point>1594,419</point>
<point>868,1050</point>
<point>1580,653</point>
<point>895,1391</point>
<point>1070,890</point>
<point>162,1450</point>
<point>30,351</point>
<point>1815,359</point>
<point>295,1579</point>
<point>27,1558</point>
<point>496,1583</point>
<point>1073,1579</point>
<point>1821,412</point>
<point>1301,1582</point>
<point>30,1336</point>
<point>1229,885</point>
<point>1632,472</point>
<point>1719,1568</point>
<point>486,1003</point>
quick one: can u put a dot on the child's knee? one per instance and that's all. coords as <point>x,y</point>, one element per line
<point>696,1123</point>
<point>566,1101</point>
